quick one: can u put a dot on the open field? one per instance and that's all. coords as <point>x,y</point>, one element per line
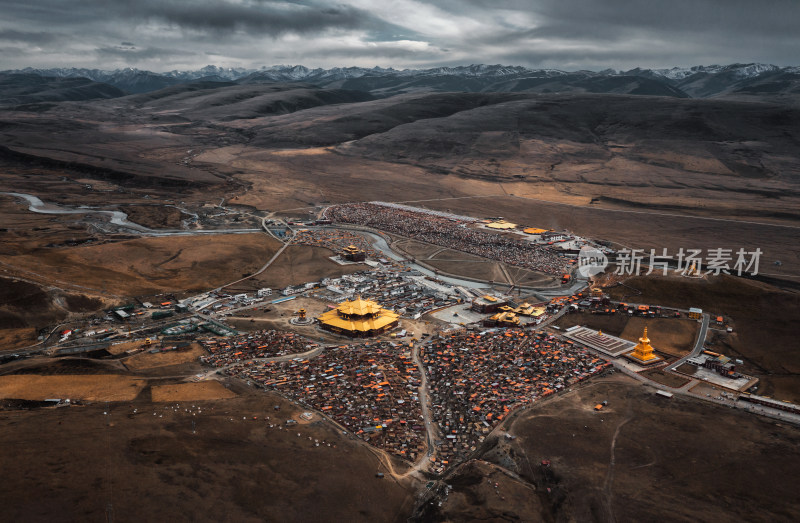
<point>151,265</point>
<point>201,391</point>
<point>97,387</point>
<point>153,467</point>
<point>646,457</point>
<point>724,159</point>
<point>299,264</point>
<point>11,339</point>
<point>146,360</point>
<point>154,216</point>
<point>764,317</point>
<point>665,378</point>
<point>22,230</point>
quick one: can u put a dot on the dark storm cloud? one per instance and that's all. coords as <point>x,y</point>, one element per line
<point>134,55</point>
<point>699,21</point>
<point>636,32</point>
<point>565,34</point>
<point>271,17</point>
<point>36,38</point>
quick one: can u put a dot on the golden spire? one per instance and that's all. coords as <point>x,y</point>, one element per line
<point>643,352</point>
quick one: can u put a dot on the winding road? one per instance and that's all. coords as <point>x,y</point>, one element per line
<point>424,462</point>
<point>698,346</point>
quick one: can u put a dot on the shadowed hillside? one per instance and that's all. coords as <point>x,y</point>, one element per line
<point>19,89</point>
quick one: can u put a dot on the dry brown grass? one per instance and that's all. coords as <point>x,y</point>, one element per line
<point>293,179</point>
<point>11,339</point>
<point>673,336</point>
<point>146,360</point>
<point>206,390</point>
<point>98,387</point>
<point>152,265</point>
<point>160,469</point>
<point>299,264</point>
<point>119,348</point>
<point>668,456</point>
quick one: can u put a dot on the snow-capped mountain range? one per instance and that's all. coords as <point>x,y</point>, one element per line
<point>697,81</point>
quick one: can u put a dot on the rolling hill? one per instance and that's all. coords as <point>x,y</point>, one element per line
<point>19,89</point>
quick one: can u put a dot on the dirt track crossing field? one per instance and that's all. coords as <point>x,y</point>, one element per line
<point>646,458</point>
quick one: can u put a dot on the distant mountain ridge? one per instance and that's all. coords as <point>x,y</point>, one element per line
<point>696,82</point>
<point>21,89</point>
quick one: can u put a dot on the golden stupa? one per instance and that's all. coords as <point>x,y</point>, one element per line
<point>644,352</point>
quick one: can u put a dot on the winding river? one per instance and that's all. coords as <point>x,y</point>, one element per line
<point>119,218</point>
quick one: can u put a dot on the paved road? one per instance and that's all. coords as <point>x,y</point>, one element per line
<point>698,346</point>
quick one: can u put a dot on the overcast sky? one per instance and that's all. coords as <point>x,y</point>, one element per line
<point>162,35</point>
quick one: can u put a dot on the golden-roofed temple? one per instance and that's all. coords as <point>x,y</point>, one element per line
<point>524,309</point>
<point>502,319</point>
<point>644,353</point>
<point>359,318</point>
<point>353,253</point>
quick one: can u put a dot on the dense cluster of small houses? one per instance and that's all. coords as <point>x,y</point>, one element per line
<point>370,389</point>
<point>476,379</point>
<point>261,344</point>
